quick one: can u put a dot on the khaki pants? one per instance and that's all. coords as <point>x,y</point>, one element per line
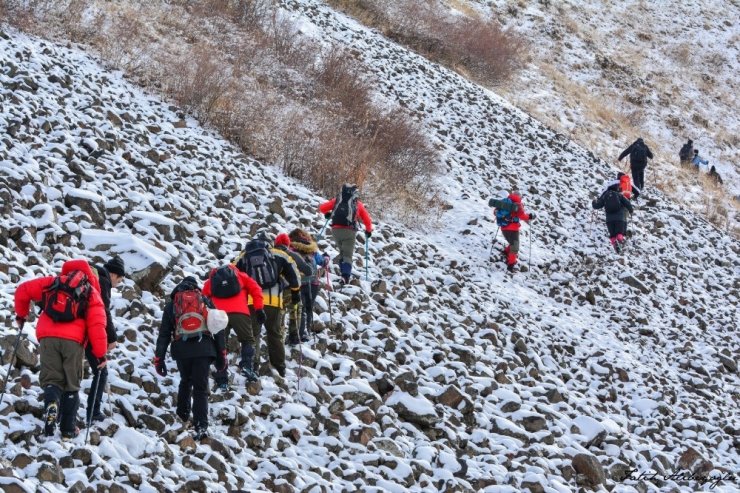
<point>345,240</point>
<point>61,363</point>
<point>241,324</point>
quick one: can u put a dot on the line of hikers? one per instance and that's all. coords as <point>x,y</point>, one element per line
<point>268,278</point>
<point>689,156</point>
<point>615,199</point>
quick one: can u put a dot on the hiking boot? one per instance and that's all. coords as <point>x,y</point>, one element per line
<point>70,435</point>
<point>249,374</point>
<point>223,387</point>
<point>292,339</point>
<point>304,337</point>
<point>97,417</point>
<point>200,433</point>
<point>50,419</point>
<point>183,416</point>
<point>510,267</point>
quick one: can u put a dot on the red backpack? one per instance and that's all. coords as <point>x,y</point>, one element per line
<point>67,298</point>
<point>191,314</point>
<point>625,186</point>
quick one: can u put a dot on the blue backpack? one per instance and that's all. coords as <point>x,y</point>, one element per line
<point>504,208</point>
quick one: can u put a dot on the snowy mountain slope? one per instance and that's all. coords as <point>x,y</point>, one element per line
<point>451,380</point>
<point>665,70</point>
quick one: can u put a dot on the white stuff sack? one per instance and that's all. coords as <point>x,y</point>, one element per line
<point>217,321</point>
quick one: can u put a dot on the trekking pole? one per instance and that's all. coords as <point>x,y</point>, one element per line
<point>12,356</point>
<point>300,347</point>
<point>493,241</point>
<point>530,250</point>
<point>110,402</point>
<point>309,315</point>
<point>321,233</point>
<point>367,254</point>
<point>328,294</point>
<point>90,414</point>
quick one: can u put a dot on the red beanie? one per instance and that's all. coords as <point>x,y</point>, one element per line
<point>282,239</point>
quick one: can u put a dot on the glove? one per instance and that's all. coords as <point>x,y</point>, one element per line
<point>102,361</point>
<point>295,297</point>
<point>20,321</point>
<point>368,234</point>
<point>261,316</point>
<point>222,361</point>
<point>531,215</point>
<point>327,215</point>
<point>160,367</point>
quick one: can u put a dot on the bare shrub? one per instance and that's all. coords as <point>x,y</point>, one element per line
<point>480,46</point>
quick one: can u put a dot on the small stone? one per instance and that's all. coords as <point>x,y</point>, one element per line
<point>534,423</point>
<point>188,445</point>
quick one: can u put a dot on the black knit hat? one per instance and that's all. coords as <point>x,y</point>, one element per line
<point>116,266</point>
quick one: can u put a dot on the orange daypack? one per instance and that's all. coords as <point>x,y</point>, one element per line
<point>625,186</point>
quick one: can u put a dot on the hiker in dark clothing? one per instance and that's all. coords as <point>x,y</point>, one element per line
<point>248,292</point>
<point>686,152</point>
<point>715,175</point>
<point>639,153</point>
<point>270,267</point>
<point>345,210</point>
<point>616,206</point>
<point>295,310</point>
<point>193,348</point>
<point>303,243</point>
<point>110,275</point>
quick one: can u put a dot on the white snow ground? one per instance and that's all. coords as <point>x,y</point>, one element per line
<point>457,378</point>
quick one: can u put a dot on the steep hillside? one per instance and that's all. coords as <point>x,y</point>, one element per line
<point>606,72</point>
<point>440,374</point>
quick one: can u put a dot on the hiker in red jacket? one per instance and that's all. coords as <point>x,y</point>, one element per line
<point>66,323</point>
<point>237,308</point>
<point>510,225</point>
<point>345,211</point>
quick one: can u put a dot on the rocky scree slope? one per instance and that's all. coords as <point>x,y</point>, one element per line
<point>434,376</point>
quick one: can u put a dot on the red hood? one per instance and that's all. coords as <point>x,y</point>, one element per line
<point>81,265</point>
<point>517,199</point>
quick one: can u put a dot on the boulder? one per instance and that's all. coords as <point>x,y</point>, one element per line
<point>452,397</point>
<point>533,423</point>
<point>50,473</point>
<point>589,471</point>
<point>89,203</point>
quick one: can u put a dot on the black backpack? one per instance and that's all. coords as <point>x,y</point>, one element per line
<point>612,202</point>
<point>345,208</point>
<point>259,264</point>
<point>225,282</point>
<point>639,153</point>
<point>67,298</point>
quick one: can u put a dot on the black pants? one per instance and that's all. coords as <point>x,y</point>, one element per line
<point>616,227</point>
<point>193,381</point>
<point>100,379</point>
<point>308,296</point>
<point>638,177</point>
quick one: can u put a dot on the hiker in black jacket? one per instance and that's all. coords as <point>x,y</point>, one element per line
<point>110,275</point>
<point>686,153</point>
<point>194,352</point>
<point>295,310</point>
<point>639,153</point>
<point>616,206</point>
